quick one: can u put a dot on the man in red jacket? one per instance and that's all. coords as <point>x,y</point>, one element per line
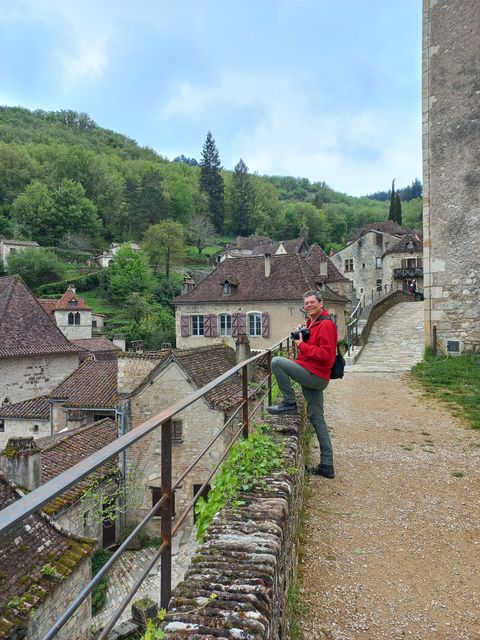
<point>311,369</point>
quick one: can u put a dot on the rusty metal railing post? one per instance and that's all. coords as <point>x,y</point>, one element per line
<point>166,515</point>
<point>245,400</point>
<point>434,339</point>
<point>269,361</point>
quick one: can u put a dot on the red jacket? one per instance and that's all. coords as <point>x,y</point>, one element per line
<point>318,353</point>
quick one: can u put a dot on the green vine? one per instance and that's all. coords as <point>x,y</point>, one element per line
<point>248,463</point>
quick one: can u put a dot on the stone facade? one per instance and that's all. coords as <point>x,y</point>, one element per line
<point>21,428</point>
<point>451,172</point>
<point>49,611</point>
<point>22,378</point>
<point>81,329</point>
<point>361,261</point>
<point>392,261</point>
<point>8,247</point>
<point>282,318</point>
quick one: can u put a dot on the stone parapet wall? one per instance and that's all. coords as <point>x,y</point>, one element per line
<point>381,307</point>
<point>247,559</point>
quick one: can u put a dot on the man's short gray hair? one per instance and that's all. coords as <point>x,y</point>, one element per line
<point>317,294</point>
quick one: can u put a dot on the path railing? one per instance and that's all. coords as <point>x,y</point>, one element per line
<point>367,299</point>
<point>16,512</point>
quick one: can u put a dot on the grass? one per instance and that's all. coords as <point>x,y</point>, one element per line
<point>99,304</point>
<point>456,381</point>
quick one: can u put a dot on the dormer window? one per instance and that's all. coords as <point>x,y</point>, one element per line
<point>73,303</point>
<point>227,289</point>
<point>227,285</point>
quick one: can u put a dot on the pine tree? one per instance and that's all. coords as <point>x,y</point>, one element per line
<point>391,211</point>
<point>211,181</point>
<point>397,210</point>
<point>242,200</point>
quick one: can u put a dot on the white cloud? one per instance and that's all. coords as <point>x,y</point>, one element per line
<point>354,150</point>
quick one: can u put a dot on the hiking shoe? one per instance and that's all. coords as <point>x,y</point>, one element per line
<point>324,470</point>
<point>282,408</point>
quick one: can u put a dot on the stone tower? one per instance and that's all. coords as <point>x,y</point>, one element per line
<point>451,172</point>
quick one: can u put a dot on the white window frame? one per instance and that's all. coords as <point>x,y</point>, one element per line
<point>225,330</point>
<point>256,316</point>
<point>378,262</point>
<point>197,325</point>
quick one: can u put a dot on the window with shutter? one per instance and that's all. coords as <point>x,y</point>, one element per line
<point>213,326</point>
<point>265,325</point>
<point>234,325</point>
<point>185,326</point>
<point>207,326</point>
<point>197,325</point>
<point>255,324</point>
<point>242,323</point>
<point>225,324</point>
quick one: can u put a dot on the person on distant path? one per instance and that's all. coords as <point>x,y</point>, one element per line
<point>311,369</point>
<point>413,287</point>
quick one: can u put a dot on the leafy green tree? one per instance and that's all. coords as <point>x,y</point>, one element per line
<point>141,319</point>
<point>17,169</point>
<point>37,266</point>
<point>182,204</point>
<point>412,213</point>
<point>211,181</point>
<point>242,200</point>
<point>129,273</point>
<point>74,209</point>
<point>164,244</point>
<point>165,291</point>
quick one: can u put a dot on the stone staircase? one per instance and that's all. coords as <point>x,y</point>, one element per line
<point>395,342</point>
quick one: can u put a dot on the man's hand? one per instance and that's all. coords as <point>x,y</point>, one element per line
<point>297,342</point>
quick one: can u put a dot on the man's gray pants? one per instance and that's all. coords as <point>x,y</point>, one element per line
<point>285,371</point>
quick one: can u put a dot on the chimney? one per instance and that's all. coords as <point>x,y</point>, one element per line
<point>324,268</point>
<point>331,252</point>
<point>187,285</point>
<point>21,462</point>
<point>72,288</point>
<point>268,265</point>
<point>119,341</point>
<point>242,350</point>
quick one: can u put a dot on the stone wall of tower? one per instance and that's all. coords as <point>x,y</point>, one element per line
<point>451,171</point>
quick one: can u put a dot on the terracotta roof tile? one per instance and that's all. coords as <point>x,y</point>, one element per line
<point>62,450</point>
<point>65,302</point>
<point>93,384</point>
<point>314,256</point>
<point>96,344</point>
<point>289,278</point>
<point>386,226</point>
<point>25,328</point>
<point>48,305</point>
<point>410,242</point>
<point>35,408</point>
<point>24,550</point>
<point>242,242</point>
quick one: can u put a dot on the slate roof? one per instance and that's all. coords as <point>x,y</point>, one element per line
<point>97,344</point>
<point>35,408</point>
<point>61,451</point>
<point>25,328</point>
<point>387,226</point>
<point>92,385</point>
<point>410,242</point>
<point>314,256</point>
<point>24,550</point>
<point>289,278</point>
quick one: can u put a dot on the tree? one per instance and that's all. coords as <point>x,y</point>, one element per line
<point>391,211</point>
<point>36,266</point>
<point>129,273</point>
<point>397,210</point>
<point>201,231</point>
<point>164,244</point>
<point>211,181</point>
<point>242,200</point>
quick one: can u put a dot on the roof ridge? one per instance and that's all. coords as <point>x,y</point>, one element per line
<point>70,433</point>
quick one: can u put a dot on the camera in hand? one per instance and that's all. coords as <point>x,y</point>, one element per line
<point>301,330</point>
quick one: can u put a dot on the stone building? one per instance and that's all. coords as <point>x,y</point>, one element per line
<point>327,273</point>
<point>149,384</point>
<point>451,172</point>
<point>375,252</point>
<point>30,418</point>
<point>43,569</point>
<point>9,247</point>
<point>260,296</point>
<point>72,315</point>
<point>35,356</point>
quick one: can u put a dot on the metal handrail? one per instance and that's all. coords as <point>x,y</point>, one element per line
<point>33,501</point>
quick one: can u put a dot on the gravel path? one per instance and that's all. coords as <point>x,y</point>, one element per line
<point>392,545</point>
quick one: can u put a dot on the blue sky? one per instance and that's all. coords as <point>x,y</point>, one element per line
<point>323,89</point>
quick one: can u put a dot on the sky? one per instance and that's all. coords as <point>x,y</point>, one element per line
<point>329,90</point>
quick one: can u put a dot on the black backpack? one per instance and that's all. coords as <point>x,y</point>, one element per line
<point>338,368</point>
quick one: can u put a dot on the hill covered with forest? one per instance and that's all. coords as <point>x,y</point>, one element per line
<point>64,180</point>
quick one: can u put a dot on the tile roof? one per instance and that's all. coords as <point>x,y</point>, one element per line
<point>24,550</point>
<point>35,408</point>
<point>25,328</point>
<point>386,226</point>
<point>48,305</point>
<point>61,451</point>
<point>290,277</point>
<point>68,297</point>
<point>410,242</point>
<point>242,242</point>
<point>97,344</point>
<point>93,384</point>
<point>314,256</point>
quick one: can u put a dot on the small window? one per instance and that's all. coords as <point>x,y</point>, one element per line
<point>36,428</point>
<point>363,265</point>
<point>2,425</point>
<point>94,324</point>
<point>255,324</point>
<point>379,239</point>
<point>378,263</point>
<point>379,284</point>
<point>177,432</point>
<point>227,289</point>
<point>349,264</point>
<point>77,318</point>
<point>360,244</point>
<point>453,346</point>
<point>6,400</point>
<point>71,318</point>
<point>197,325</point>
<point>225,324</point>
<point>73,303</point>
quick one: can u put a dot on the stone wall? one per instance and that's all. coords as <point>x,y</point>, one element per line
<point>25,378</point>
<point>132,370</point>
<point>75,331</point>
<point>49,611</point>
<point>18,428</point>
<point>381,307</point>
<point>394,261</point>
<point>451,171</point>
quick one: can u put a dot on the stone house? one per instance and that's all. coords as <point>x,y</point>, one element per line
<point>35,356</point>
<point>149,384</point>
<point>451,173</point>
<point>30,463</point>
<point>327,272</point>
<point>71,314</point>
<point>9,247</point>
<point>105,259</point>
<point>43,569</point>
<point>260,296</point>
<point>30,418</point>
<point>260,245</point>
<point>369,260</point>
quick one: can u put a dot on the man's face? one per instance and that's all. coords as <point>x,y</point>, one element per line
<point>312,306</point>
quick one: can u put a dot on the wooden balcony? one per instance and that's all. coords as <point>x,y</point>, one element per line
<point>407,272</point>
